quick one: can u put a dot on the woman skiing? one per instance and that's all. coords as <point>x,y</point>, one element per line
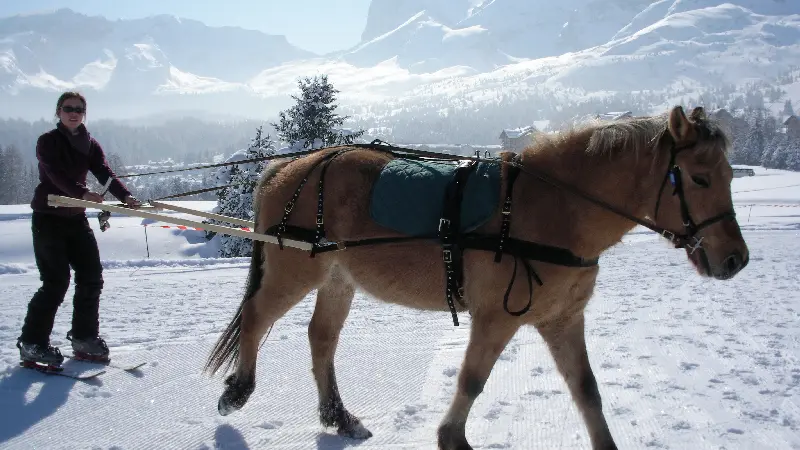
<point>62,237</point>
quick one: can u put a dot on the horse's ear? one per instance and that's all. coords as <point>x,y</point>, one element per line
<point>698,114</point>
<point>679,126</point>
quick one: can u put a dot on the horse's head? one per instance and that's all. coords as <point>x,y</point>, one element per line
<point>700,207</point>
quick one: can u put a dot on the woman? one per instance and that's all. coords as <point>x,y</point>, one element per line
<point>62,237</point>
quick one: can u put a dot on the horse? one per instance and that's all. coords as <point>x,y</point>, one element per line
<point>569,197</point>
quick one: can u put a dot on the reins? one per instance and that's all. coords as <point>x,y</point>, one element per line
<point>452,240</point>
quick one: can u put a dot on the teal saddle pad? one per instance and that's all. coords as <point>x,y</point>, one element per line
<point>409,194</point>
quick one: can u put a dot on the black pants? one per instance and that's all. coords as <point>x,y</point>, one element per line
<point>58,244</point>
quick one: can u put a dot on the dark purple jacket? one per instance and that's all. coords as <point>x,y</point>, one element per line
<point>64,160</point>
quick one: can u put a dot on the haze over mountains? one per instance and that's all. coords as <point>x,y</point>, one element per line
<point>411,52</point>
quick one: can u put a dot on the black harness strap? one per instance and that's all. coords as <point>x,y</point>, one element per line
<point>320,232</point>
<point>450,236</point>
<point>505,226</point>
<point>531,275</point>
<point>287,210</point>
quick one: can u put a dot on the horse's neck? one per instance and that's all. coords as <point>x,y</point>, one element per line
<point>623,181</point>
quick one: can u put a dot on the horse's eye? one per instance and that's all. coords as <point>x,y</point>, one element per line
<point>701,181</point>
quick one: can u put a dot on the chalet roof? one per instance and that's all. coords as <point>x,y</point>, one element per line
<point>792,118</point>
<point>615,115</point>
<point>514,133</point>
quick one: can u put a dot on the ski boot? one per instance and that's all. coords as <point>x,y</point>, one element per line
<point>40,357</point>
<point>92,349</point>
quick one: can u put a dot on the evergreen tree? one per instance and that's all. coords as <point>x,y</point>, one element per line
<point>775,155</point>
<point>793,155</point>
<point>753,148</point>
<point>236,199</point>
<point>788,109</point>
<point>12,177</point>
<point>312,122</point>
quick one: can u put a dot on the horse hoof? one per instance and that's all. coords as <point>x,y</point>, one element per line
<point>452,438</point>
<point>235,395</point>
<point>355,431</point>
<point>224,407</point>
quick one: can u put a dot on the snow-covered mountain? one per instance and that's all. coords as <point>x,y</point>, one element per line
<point>410,51</point>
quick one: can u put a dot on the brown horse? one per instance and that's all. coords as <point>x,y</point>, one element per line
<point>580,191</point>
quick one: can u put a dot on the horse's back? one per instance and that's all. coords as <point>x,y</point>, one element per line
<point>347,186</point>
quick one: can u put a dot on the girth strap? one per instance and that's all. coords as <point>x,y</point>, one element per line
<point>450,236</point>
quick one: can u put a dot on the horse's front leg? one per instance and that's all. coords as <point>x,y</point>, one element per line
<point>568,346</point>
<point>488,337</point>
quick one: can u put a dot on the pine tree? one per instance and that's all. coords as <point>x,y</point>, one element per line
<point>754,144</point>
<point>775,156</point>
<point>312,122</point>
<point>788,110</point>
<point>11,176</point>
<point>236,199</point>
<point>793,155</point>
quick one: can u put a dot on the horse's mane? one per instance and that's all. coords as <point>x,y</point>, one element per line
<point>639,134</point>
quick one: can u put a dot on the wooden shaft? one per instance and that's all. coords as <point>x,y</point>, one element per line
<point>57,200</point>
<point>207,215</point>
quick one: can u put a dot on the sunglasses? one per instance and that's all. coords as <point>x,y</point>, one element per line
<point>73,109</point>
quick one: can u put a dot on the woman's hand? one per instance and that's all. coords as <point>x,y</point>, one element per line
<point>132,202</point>
<point>93,197</point>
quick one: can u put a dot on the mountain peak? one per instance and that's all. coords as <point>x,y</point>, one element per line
<point>385,15</point>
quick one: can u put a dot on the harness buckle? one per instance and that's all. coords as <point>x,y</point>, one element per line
<point>443,223</point>
<point>697,244</point>
<point>447,255</point>
<point>319,220</point>
<point>669,235</point>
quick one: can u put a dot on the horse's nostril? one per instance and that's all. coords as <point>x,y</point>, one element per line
<point>733,262</point>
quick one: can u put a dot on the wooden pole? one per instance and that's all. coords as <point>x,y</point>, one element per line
<point>207,215</point>
<point>57,200</point>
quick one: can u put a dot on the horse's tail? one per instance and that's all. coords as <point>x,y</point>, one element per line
<point>226,350</point>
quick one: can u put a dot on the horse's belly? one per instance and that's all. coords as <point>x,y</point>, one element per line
<point>407,274</point>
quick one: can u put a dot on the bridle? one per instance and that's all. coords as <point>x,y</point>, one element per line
<point>688,238</point>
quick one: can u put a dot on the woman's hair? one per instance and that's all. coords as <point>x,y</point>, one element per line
<point>68,95</point>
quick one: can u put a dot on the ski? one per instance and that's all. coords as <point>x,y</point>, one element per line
<point>127,367</point>
<point>62,371</point>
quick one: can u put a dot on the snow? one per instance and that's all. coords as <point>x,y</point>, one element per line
<point>681,361</point>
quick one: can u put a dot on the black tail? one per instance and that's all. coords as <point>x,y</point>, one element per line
<point>226,350</point>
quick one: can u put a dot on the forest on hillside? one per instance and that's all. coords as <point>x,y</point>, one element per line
<point>755,115</point>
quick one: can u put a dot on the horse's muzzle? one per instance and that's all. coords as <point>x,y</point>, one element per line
<point>731,265</point>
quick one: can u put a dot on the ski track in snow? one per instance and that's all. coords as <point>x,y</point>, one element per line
<point>681,361</point>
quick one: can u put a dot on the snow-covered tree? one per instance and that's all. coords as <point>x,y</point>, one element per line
<point>793,155</point>
<point>754,144</point>
<point>236,199</point>
<point>788,110</point>
<point>775,154</point>
<point>312,122</point>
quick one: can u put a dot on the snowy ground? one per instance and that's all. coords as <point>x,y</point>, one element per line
<point>682,362</point>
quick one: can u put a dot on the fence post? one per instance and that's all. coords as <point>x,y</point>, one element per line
<point>146,243</point>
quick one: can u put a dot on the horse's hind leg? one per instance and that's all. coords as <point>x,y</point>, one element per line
<point>333,305</point>
<point>488,338</point>
<point>278,293</point>
<point>568,347</point>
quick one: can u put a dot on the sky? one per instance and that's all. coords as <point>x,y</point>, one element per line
<point>314,25</point>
